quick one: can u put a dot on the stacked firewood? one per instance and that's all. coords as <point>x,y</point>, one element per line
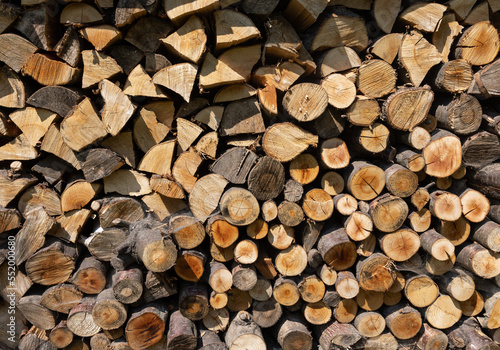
<point>224,174</point>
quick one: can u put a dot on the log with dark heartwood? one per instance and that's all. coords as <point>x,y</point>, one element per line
<point>236,174</point>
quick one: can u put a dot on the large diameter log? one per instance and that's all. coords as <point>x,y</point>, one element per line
<point>443,155</point>
<point>388,212</point>
<point>404,322</point>
<point>243,331</point>
<point>145,327</point>
<point>369,324</point>
<point>443,313</point>
<point>266,179</point>
<point>239,206</point>
<point>421,290</point>
<point>408,107</point>
<point>375,273</point>
<point>364,181</point>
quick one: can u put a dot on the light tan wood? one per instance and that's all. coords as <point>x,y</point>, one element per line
<point>424,17</point>
<point>97,66</point>
<point>387,47</point>
<point>170,76</point>
<point>179,10</point>
<point>188,41</point>
<point>479,55</point>
<point>341,31</point>
<point>376,78</point>
<point>48,71</point>
<point>443,313</point>
<point>158,159</point>
<point>139,83</point>
<point>445,34</point>
<point>285,141</point>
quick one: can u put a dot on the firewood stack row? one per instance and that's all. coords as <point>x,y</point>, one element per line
<point>224,174</point>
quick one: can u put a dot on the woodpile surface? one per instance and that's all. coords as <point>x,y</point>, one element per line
<point>252,174</point>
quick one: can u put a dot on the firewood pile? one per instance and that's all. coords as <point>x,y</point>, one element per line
<point>224,174</point>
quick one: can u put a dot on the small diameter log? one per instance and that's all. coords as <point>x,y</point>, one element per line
<point>311,289</point>
<point>266,313</point>
<point>388,212</point>
<point>306,101</point>
<point>472,306</point>
<point>318,205</point>
<point>439,267</point>
<point>487,233</point>
<point>314,258</point>
<point>454,76</point>
<point>304,168</point>
<point>400,245</point>
<point>421,290</point>
<point>417,138</point>
<point>108,313</point>
<point>400,181</point>
<point>80,321</point>
<point>90,277</point>
<point>293,334</point>
<point>327,274</point>
<point>293,191</point>
<point>375,273</point>
<point>432,339</point>
<point>38,315</point>
<point>437,245</point>
<point>363,111</point>
<point>281,236</point>
<point>60,335</point>
<point>127,285</point>
<point>243,331</point>
<point>238,300</point>
<point>364,181</point>
<point>258,229</point>
<point>187,231</point>
<point>443,313</point>
<point>182,332</point>
<point>218,300</point>
<point>317,313</point>
<point>337,335</point>
<point>337,250</point>
<point>239,206</point>
<point>216,320</point>
<point>457,283</point>
<point>475,205</point>
<point>291,261</point>
<point>221,232</point>
<point>99,342</point>
<point>246,252</point>
<point>345,204</point>
<point>334,153</point>
<point>156,253</point>
<point>220,278</point>
<point>190,265</point>
<point>358,226</point>
<point>345,310</point>
<point>269,211</point>
<point>404,322</point>
<point>286,292</point>
<point>332,183</point>
<point>290,214</point>
<point>244,276</point>
<point>443,155</point>
<point>411,160</point>
<point>262,291</point>
<point>456,231</point>
<point>479,260</point>
<point>193,301</point>
<point>146,326</point>
<point>369,324</point>
<point>369,300</point>
<point>346,285</point>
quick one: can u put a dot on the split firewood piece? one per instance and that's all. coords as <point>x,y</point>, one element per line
<point>127,11</point>
<point>443,155</point>
<point>242,331</point>
<point>404,322</point>
<point>13,95</point>
<point>185,168</point>
<point>346,285</point>
<point>127,182</point>
<point>71,126</point>
<point>205,195</point>
<point>356,4</point>
<point>15,51</point>
<point>101,36</point>
<point>207,145</point>
<point>388,212</point>
<point>341,31</point>
<point>33,122</point>
<point>90,278</point>
<point>212,116</point>
<point>400,181</point>
<point>454,76</point>
<point>31,237</point>
<point>445,205</point>
<point>190,265</point>
<point>39,25</point>
<point>233,28</point>
<point>163,206</point>
<point>400,245</point>
<point>386,13</point>
<point>97,66</point>
<point>239,206</point>
<point>242,117</point>
<point>408,107</point>
<point>478,55</point>
<point>330,124</point>
<point>231,93</point>
<point>444,36</point>
<point>387,47</point>
<point>187,133</point>
<point>187,232</point>
<point>180,10</point>
<point>364,181</point>
<point>61,298</point>
<point>78,194</point>
<point>437,245</point>
<point>462,115</point>
<point>461,8</point>
<point>156,29</point>
<point>108,313</point>
<point>285,141</point>
<point>485,81</point>
<point>169,77</point>
<point>424,16</point>
<point>281,236</point>
<point>139,83</point>
<point>421,290</point>
<point>369,324</point>
<point>335,334</point>
<point>52,264</point>
<point>303,13</point>
<point>233,66</point>
<point>40,195</point>
<point>36,314</point>
<point>97,163</point>
<point>258,8</point>
<point>71,224</point>
<point>338,59</point>
<point>235,164</point>
<point>18,149</point>
<point>282,40</point>
<point>340,90</point>
<point>9,219</point>
<point>375,273</point>
<point>60,335</point>
<point>443,313</point>
<point>363,111</point>
<point>188,41</point>
<point>117,108</point>
<point>221,232</point>
<point>337,250</point>
<point>8,128</point>
<point>267,178</point>
<point>158,159</point>
<point>148,131</point>
<point>127,56</point>
<point>69,47</point>
<point>127,285</point>
<point>290,214</point>
<point>376,78</point>
<point>57,99</point>
<point>418,56</point>
<point>79,14</point>
<point>146,326</point>
<point>479,260</point>
<point>48,71</point>
<point>11,187</point>
<point>318,205</point>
